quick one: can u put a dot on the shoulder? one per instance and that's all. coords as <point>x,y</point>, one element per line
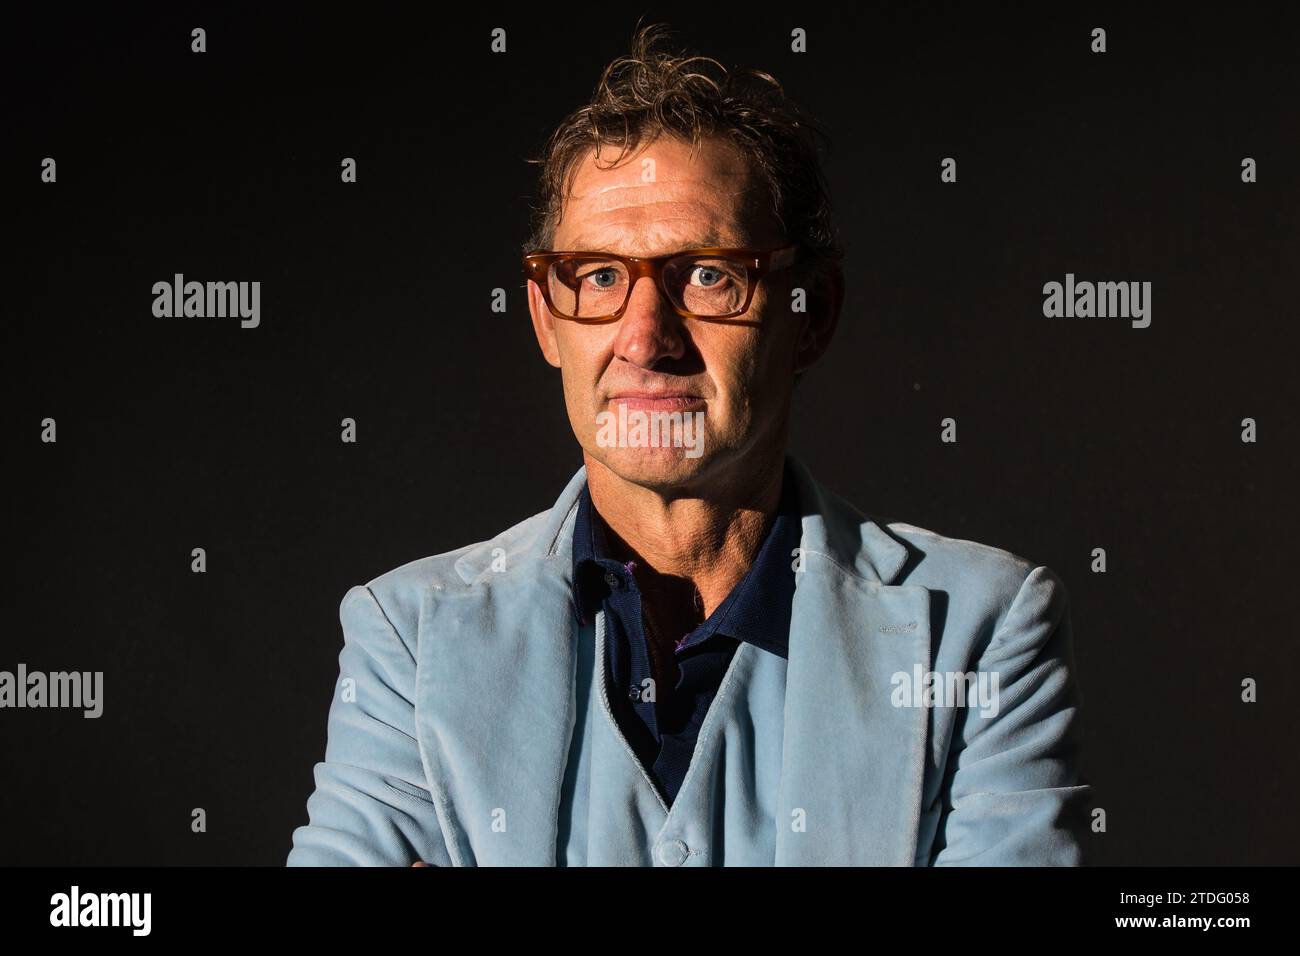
<point>936,554</point>
<point>401,591</point>
<point>971,578</point>
<point>978,580</point>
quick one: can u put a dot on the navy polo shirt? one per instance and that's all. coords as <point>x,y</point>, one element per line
<point>663,732</point>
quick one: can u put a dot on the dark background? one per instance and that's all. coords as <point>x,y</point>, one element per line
<point>182,433</point>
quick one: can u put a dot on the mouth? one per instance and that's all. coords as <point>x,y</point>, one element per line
<point>657,401</point>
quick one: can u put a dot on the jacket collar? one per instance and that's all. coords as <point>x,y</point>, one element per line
<point>831,526</point>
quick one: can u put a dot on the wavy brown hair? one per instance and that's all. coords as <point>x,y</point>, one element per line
<point>653,90</point>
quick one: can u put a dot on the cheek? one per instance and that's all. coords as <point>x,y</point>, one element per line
<point>580,357</point>
<point>583,358</point>
<point>735,358</point>
<point>747,360</point>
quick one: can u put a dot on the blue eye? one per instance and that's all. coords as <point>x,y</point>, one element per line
<point>707,277</point>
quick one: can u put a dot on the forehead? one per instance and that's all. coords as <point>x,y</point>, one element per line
<point>665,196</point>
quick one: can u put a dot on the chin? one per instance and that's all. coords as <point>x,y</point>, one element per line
<point>660,469</point>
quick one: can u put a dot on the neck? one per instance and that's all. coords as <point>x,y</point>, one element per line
<point>691,546</point>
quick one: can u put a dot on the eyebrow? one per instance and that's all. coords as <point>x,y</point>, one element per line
<point>711,239</point>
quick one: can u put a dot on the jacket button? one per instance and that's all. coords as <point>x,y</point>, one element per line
<point>612,580</point>
<point>673,853</point>
<point>634,693</point>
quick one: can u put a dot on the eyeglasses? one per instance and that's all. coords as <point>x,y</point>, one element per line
<point>710,283</point>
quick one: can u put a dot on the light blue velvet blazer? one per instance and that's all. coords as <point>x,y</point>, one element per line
<point>470,723</point>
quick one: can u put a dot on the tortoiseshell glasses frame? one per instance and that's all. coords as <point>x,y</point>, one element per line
<point>539,266</point>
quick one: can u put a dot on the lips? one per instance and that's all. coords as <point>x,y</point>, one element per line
<point>657,401</point>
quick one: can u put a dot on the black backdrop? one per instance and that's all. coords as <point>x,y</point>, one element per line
<point>1072,433</point>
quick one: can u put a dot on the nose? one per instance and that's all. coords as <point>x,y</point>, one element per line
<point>650,329</point>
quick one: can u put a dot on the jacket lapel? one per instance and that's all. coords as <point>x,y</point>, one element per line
<point>852,764</point>
<point>495,692</point>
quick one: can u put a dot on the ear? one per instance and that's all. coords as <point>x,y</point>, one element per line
<point>827,299</point>
<point>543,324</point>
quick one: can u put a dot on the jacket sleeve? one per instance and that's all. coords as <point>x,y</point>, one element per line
<point>1012,795</point>
<point>371,805</point>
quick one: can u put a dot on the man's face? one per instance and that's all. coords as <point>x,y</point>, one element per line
<point>737,372</point>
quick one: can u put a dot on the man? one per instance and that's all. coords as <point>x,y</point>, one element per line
<point>699,655</point>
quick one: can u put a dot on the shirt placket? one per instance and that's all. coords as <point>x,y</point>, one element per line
<point>625,601</point>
